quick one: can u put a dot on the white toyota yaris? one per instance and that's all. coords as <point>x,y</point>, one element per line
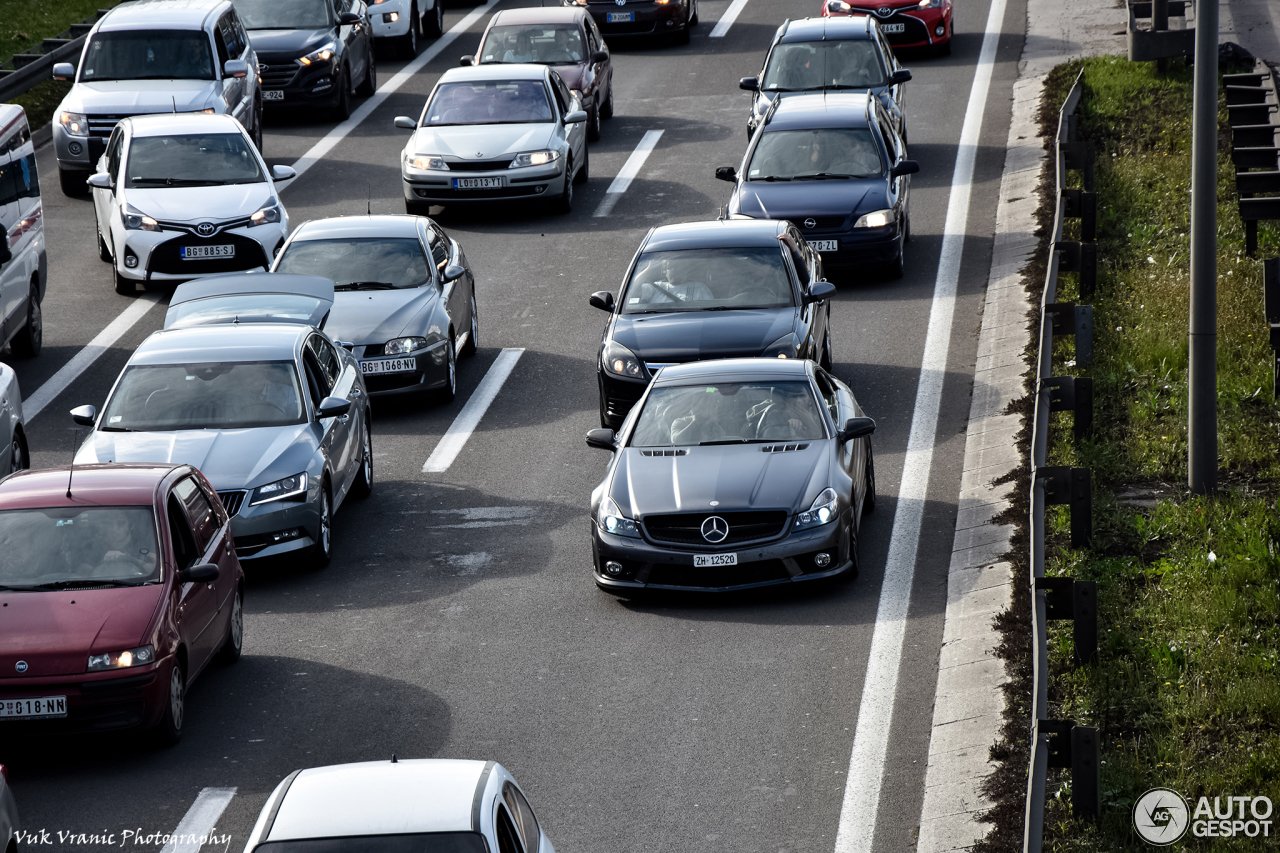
<point>182,196</point>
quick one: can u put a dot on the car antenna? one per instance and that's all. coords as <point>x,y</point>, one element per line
<point>175,104</point>
<point>368,210</point>
<point>72,469</point>
<point>723,214</point>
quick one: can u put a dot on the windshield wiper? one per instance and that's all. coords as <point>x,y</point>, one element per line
<point>822,176</point>
<point>178,182</point>
<point>735,441</point>
<point>852,86</point>
<point>114,429</point>
<point>781,89</point>
<point>770,178</point>
<point>85,582</point>
<point>15,588</point>
<point>365,285</point>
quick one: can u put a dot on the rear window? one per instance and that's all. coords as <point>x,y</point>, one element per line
<point>245,308</point>
<point>148,55</point>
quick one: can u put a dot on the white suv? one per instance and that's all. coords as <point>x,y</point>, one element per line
<point>153,56</point>
<point>24,265</point>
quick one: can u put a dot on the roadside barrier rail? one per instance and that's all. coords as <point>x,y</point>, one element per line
<point>1061,743</point>
<point>1271,299</point>
<point>29,69</point>
<point>1159,42</point>
<point>1253,111</point>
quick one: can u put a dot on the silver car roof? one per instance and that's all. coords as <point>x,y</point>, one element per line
<point>222,343</point>
<point>161,15</point>
<point>502,71</point>
<point>382,225</point>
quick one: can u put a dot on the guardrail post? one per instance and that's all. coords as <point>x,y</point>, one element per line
<point>1069,317</point>
<point>1080,258</point>
<point>1067,598</point>
<point>1073,394</point>
<point>1074,487</point>
<point>1086,782</point>
<point>1081,157</point>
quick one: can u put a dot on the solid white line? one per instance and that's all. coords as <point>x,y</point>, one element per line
<point>726,20</point>
<point>469,418</point>
<point>317,152</point>
<point>875,712</point>
<point>80,362</point>
<point>200,820</point>
<point>630,169</point>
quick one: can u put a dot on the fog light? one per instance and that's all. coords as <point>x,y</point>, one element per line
<point>671,23</point>
<point>130,260</point>
<point>327,84</point>
<point>391,17</point>
<point>75,148</point>
<point>940,30</point>
<point>285,535</point>
<point>822,560</point>
<point>613,567</point>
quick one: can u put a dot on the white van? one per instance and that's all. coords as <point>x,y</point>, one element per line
<point>24,264</point>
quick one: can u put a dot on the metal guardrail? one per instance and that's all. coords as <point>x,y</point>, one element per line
<point>30,69</point>
<point>1061,743</point>
<point>1159,42</point>
<point>1253,111</point>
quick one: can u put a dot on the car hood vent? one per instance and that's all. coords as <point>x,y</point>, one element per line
<point>667,452</point>
<point>783,448</point>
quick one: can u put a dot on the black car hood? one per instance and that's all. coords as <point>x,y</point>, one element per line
<point>695,335</point>
<point>275,45</point>
<point>797,199</point>
<point>738,477</point>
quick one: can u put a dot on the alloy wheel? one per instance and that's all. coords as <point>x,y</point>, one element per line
<point>473,339</point>
<point>177,697</point>
<point>234,645</point>
<point>17,458</point>
<point>326,524</point>
<point>30,339</point>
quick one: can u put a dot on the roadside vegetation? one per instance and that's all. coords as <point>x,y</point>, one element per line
<point>1186,692</point>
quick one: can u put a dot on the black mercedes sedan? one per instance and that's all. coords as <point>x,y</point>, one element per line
<point>311,53</point>
<point>702,290</point>
<point>833,164</point>
<point>730,475</point>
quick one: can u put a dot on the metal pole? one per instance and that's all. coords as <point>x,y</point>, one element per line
<point>1160,14</point>
<point>1202,419</point>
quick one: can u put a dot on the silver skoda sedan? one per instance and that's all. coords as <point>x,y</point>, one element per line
<point>273,413</point>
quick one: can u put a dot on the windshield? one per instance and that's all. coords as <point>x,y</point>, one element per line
<point>284,14</point>
<point>220,395</point>
<point>798,154</point>
<point>433,842</point>
<point>107,545</point>
<point>366,263</point>
<point>148,55</point>
<point>496,102</point>
<point>197,159</point>
<point>549,44</point>
<point>245,308</point>
<point>708,280</point>
<point>729,413</point>
<point>800,66</point>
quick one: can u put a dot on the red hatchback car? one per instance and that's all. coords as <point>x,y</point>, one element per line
<point>905,23</point>
<point>119,584</point>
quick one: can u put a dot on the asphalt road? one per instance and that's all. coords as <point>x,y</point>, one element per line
<point>458,618</point>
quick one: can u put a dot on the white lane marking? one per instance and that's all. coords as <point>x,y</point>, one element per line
<point>317,152</point>
<point>469,418</point>
<point>726,20</point>
<point>81,361</point>
<point>875,712</point>
<point>630,169</point>
<point>200,820</point>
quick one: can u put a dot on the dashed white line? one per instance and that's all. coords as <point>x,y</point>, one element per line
<point>455,438</point>
<point>81,361</point>
<point>630,169</point>
<point>875,712</point>
<point>198,824</point>
<point>726,20</point>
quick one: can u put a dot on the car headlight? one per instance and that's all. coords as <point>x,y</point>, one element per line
<point>824,510</point>
<point>534,158</point>
<point>74,124</point>
<point>427,163</point>
<point>621,361</point>
<point>287,488</point>
<point>141,656</point>
<point>876,219</point>
<point>577,2</point>
<point>784,347</point>
<point>270,213</point>
<point>401,346</point>
<point>324,54</point>
<point>136,220</point>
<point>611,519</point>
<point>925,4</point>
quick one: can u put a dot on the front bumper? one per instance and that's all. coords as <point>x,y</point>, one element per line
<point>919,26</point>
<point>617,396</point>
<point>98,701</point>
<point>272,529</point>
<point>379,13</point>
<point>159,258</point>
<point>647,18</point>
<point>297,85</point>
<point>531,182</point>
<point>788,560</point>
<point>859,246</point>
<point>432,371</point>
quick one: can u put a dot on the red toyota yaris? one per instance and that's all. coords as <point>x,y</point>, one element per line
<point>905,23</point>
<point>118,585</point>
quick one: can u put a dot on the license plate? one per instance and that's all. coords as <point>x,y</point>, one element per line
<point>824,245</point>
<point>893,28</point>
<point>33,709</point>
<point>479,183</point>
<point>621,17</point>
<point>199,253</point>
<point>272,95</point>
<point>389,365</point>
<point>704,560</point>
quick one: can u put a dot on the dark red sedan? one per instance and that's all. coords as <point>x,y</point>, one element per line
<point>905,23</point>
<point>119,585</point>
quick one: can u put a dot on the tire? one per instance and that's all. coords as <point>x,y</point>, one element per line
<point>27,343</point>
<point>363,485</point>
<point>369,85</point>
<point>257,127</point>
<point>125,286</point>
<point>435,27</point>
<point>408,47</point>
<point>869,499</point>
<point>906,228</point>
<point>234,645</point>
<point>585,171</point>
<point>19,458</point>
<point>473,339</point>
<point>606,109</point>
<point>893,269</point>
<point>593,125</point>
<point>854,560</point>
<point>417,208</point>
<point>73,183</point>
<point>693,14</point>
<point>342,106</point>
<point>169,731</point>
<point>564,203</point>
<point>450,389</point>
<point>104,252</point>
<point>682,37</point>
<point>322,550</point>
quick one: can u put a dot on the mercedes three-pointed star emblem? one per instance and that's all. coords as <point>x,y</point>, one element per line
<point>715,529</point>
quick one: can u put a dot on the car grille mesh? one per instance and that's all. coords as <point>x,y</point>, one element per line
<point>686,528</point>
<point>820,222</point>
<point>277,76</point>
<point>166,257</point>
<point>477,165</point>
<point>231,501</point>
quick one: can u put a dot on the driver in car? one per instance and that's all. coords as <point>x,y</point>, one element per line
<point>122,557</point>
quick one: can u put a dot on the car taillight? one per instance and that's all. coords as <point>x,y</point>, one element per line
<point>4,773</point>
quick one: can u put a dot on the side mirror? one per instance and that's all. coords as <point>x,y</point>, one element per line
<point>199,573</point>
<point>406,123</point>
<point>575,117</point>
<point>603,300</point>
<point>452,271</point>
<point>857,428</point>
<point>902,75</point>
<point>6,254</point>
<point>750,84</point>
<point>599,56</point>
<point>601,439</point>
<point>331,407</point>
<point>348,19</point>
<point>63,71</point>
<point>466,60</point>
<point>84,415</point>
<point>839,7</point>
<point>819,291</point>
<point>904,167</point>
<point>726,173</point>
<point>235,68</point>
<point>283,173</point>
<point>101,181</point>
